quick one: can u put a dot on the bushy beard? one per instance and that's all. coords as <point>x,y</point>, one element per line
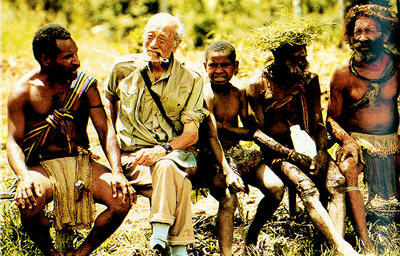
<point>297,67</point>
<point>372,50</point>
<point>61,75</point>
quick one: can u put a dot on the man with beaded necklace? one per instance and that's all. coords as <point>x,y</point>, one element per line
<point>363,111</point>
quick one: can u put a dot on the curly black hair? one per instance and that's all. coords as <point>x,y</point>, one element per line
<point>385,16</point>
<point>44,41</point>
<point>222,45</point>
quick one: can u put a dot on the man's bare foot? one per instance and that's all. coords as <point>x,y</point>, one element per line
<point>347,250</point>
<point>248,237</point>
<point>250,243</point>
<point>369,252</point>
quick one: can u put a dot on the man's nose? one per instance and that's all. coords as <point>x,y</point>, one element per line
<point>153,42</point>
<point>303,52</point>
<point>219,68</point>
<point>76,60</point>
<point>363,37</point>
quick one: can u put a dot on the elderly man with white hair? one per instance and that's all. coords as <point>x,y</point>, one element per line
<point>156,105</point>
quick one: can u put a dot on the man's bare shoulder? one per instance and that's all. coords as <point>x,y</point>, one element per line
<point>340,76</point>
<point>256,84</point>
<point>208,91</point>
<point>342,70</point>
<point>22,88</point>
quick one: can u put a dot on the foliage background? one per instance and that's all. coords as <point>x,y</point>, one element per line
<point>106,29</point>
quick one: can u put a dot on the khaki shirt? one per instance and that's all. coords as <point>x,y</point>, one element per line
<point>139,122</point>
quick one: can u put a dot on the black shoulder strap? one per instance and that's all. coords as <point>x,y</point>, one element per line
<point>156,98</point>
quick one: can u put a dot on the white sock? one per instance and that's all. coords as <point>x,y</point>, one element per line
<point>160,234</point>
<point>178,250</point>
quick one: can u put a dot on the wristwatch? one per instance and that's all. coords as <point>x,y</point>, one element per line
<point>167,147</point>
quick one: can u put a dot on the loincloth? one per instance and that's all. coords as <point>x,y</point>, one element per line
<point>243,160</point>
<point>380,158</point>
<point>73,209</point>
<point>378,145</point>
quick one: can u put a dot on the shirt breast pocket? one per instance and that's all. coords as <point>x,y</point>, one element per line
<point>174,105</point>
<point>128,99</point>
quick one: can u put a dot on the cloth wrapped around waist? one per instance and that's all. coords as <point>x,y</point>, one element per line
<point>378,145</point>
<point>72,180</point>
<point>381,166</point>
<point>243,160</point>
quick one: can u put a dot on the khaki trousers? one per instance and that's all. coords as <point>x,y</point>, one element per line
<point>170,201</point>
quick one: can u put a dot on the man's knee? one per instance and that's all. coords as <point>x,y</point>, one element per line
<point>218,187</point>
<point>119,206</point>
<point>28,213</point>
<point>335,180</point>
<point>165,166</point>
<point>228,203</point>
<point>307,190</point>
<point>277,191</point>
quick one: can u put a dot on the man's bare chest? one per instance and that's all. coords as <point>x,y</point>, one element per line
<point>226,108</point>
<point>372,93</point>
<point>45,101</point>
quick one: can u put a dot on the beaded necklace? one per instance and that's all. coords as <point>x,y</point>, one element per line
<point>374,84</point>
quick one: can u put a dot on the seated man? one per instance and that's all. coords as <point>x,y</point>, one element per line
<point>226,103</point>
<point>286,97</point>
<point>363,110</point>
<point>156,104</point>
<point>48,112</point>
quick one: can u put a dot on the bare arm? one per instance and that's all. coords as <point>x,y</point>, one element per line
<point>112,107</point>
<point>108,141</point>
<point>318,130</point>
<point>350,148</point>
<point>231,178</point>
<point>16,128</point>
<point>27,189</point>
<point>253,93</point>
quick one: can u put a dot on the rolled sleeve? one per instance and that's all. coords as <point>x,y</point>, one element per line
<point>111,85</point>
<point>194,109</point>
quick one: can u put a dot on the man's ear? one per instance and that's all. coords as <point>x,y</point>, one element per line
<point>45,60</point>
<point>386,37</point>
<point>236,67</point>
<point>176,44</point>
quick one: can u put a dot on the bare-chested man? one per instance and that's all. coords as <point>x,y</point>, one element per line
<point>285,94</point>
<point>226,103</point>
<point>48,112</point>
<point>363,110</point>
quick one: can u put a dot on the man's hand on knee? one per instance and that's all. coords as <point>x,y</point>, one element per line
<point>27,191</point>
<point>121,188</point>
<point>350,170</point>
<point>349,149</point>
<point>234,182</point>
<point>147,156</point>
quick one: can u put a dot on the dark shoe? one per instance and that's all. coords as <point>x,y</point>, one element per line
<point>158,250</point>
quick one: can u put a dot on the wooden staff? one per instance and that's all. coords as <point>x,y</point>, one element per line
<point>290,154</point>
